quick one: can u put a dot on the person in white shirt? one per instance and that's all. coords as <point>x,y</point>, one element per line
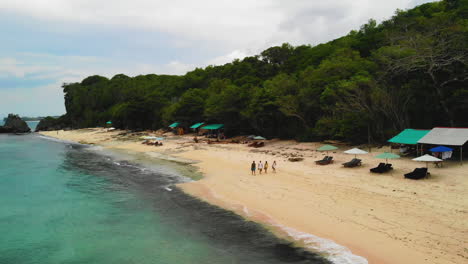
<point>260,167</point>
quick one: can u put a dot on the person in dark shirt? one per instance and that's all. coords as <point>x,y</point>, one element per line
<point>253,167</point>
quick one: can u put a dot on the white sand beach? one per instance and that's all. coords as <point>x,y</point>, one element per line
<point>383,218</point>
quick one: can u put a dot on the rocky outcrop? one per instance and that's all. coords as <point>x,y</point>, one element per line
<point>14,124</point>
<point>50,123</point>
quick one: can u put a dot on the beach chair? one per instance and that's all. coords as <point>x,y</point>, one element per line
<point>322,160</point>
<point>388,167</point>
<point>327,160</point>
<point>379,169</point>
<point>416,174</point>
<point>352,163</point>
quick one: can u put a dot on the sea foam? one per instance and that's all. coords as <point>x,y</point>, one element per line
<point>332,251</point>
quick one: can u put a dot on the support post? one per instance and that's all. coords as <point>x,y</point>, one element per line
<point>461,155</point>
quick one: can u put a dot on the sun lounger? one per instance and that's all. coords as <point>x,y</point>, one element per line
<point>322,160</point>
<point>388,167</point>
<point>326,160</point>
<point>417,174</point>
<point>382,168</point>
<point>379,169</point>
<point>352,163</point>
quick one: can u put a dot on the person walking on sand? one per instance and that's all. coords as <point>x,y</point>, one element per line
<point>265,167</point>
<point>260,167</point>
<point>253,167</point>
<point>273,166</point>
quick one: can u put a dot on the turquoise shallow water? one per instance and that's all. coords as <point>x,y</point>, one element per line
<point>63,203</point>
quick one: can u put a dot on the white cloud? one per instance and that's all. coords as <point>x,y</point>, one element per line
<point>227,29</point>
<point>236,54</point>
<point>231,25</point>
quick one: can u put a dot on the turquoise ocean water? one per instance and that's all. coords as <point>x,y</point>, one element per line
<point>66,203</point>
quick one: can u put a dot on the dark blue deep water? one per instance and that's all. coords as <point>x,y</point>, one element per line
<point>64,203</point>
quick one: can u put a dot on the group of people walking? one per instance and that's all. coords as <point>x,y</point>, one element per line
<point>262,167</point>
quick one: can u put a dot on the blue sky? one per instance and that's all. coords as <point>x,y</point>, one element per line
<point>48,42</point>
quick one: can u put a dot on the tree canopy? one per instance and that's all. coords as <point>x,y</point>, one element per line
<point>408,71</point>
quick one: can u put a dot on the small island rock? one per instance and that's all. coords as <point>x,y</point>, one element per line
<point>14,124</point>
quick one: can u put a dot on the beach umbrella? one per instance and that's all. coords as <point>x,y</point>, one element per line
<point>109,122</point>
<point>387,155</point>
<point>440,149</point>
<point>327,148</point>
<point>355,151</point>
<point>427,158</point>
<point>259,138</point>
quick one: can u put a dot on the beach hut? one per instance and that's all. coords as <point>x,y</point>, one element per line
<point>409,137</point>
<point>449,136</point>
<point>176,128</point>
<point>214,130</point>
<point>174,125</point>
<point>196,127</point>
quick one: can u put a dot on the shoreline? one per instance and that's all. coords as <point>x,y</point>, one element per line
<point>383,218</point>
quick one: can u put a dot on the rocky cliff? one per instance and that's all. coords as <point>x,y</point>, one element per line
<point>14,124</point>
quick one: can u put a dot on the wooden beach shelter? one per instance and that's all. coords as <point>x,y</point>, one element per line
<point>214,128</point>
<point>174,125</point>
<point>409,137</point>
<point>196,126</point>
<point>177,129</point>
<point>448,136</point>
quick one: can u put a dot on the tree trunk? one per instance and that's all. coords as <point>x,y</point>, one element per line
<point>441,98</point>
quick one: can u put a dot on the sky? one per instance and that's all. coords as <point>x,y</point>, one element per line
<point>49,42</point>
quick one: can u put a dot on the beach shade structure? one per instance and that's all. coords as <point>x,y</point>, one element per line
<point>259,138</point>
<point>355,151</point>
<point>450,136</point>
<point>197,125</point>
<point>387,155</point>
<point>174,125</point>
<point>427,158</point>
<point>409,136</point>
<point>213,126</point>
<point>440,149</point>
<point>327,148</point>
<point>109,122</point>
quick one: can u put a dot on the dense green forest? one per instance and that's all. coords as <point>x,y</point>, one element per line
<point>407,72</point>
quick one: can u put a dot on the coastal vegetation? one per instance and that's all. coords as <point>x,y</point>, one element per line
<point>408,71</point>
